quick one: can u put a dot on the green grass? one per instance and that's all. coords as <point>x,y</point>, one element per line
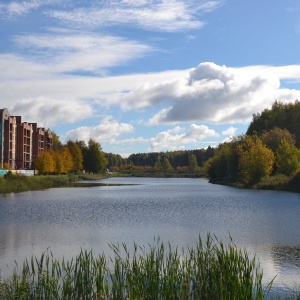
<point>211,270</point>
<point>21,183</point>
<point>275,182</point>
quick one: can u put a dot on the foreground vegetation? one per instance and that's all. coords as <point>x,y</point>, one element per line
<point>211,270</point>
<point>19,183</point>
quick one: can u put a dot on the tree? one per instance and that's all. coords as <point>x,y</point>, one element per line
<point>255,160</point>
<point>193,164</point>
<point>56,142</point>
<point>224,163</point>
<point>76,152</point>
<point>94,159</point>
<point>287,158</point>
<point>166,166</point>
<point>284,116</point>
<point>45,162</point>
<point>158,165</point>
<point>273,137</point>
<point>67,158</point>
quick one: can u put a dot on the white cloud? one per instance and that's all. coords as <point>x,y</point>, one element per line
<point>166,140</point>
<point>17,8</point>
<point>50,111</point>
<point>208,93</point>
<point>53,100</point>
<point>161,15</point>
<point>108,130</point>
<point>215,94</point>
<point>70,52</point>
<point>230,131</point>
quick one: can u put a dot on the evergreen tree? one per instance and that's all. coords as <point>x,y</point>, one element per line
<point>94,159</point>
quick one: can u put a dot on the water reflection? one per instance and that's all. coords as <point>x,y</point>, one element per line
<point>284,255</point>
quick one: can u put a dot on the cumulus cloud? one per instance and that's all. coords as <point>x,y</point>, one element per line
<point>108,130</point>
<point>161,15</point>
<point>172,140</point>
<point>214,94</point>
<point>230,131</point>
<point>49,111</point>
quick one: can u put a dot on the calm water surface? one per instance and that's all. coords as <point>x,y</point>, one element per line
<point>66,220</point>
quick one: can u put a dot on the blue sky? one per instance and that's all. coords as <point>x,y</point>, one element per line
<point>143,76</point>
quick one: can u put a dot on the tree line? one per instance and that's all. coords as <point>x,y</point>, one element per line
<point>181,161</point>
<point>76,156</point>
<point>72,157</point>
<point>269,147</point>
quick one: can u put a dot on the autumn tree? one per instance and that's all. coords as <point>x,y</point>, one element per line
<point>166,166</point>
<point>55,141</point>
<point>281,115</point>
<point>273,137</point>
<point>158,165</point>
<point>66,160</point>
<point>287,158</point>
<point>255,160</point>
<point>76,155</point>
<point>45,162</point>
<point>193,164</point>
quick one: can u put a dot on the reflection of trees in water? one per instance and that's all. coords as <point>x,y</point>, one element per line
<point>286,255</point>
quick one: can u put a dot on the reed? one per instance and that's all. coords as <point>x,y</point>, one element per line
<point>21,183</point>
<point>211,270</point>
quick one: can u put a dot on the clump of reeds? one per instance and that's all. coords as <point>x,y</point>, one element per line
<point>210,270</point>
<point>20,183</point>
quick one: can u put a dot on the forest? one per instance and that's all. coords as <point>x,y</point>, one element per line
<point>76,156</point>
<point>267,156</point>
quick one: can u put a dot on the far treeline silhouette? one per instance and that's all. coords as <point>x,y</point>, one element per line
<point>77,156</point>
<point>267,156</point>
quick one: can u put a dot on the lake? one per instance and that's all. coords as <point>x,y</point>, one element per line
<point>178,210</point>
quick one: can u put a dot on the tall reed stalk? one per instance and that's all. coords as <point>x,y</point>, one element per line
<point>210,270</point>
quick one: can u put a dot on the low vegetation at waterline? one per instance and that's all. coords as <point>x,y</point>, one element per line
<point>210,270</point>
<point>11,183</point>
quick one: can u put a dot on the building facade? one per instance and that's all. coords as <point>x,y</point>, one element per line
<point>21,142</point>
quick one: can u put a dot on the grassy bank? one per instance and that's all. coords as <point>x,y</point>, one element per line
<point>19,183</point>
<point>211,270</point>
<point>277,182</point>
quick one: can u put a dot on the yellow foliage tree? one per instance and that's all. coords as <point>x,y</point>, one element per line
<point>287,158</point>
<point>76,155</point>
<point>64,160</point>
<point>255,160</point>
<point>45,162</point>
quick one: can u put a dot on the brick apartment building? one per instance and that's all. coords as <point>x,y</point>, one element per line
<point>21,142</point>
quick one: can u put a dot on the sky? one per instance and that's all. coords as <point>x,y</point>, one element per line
<point>148,75</point>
